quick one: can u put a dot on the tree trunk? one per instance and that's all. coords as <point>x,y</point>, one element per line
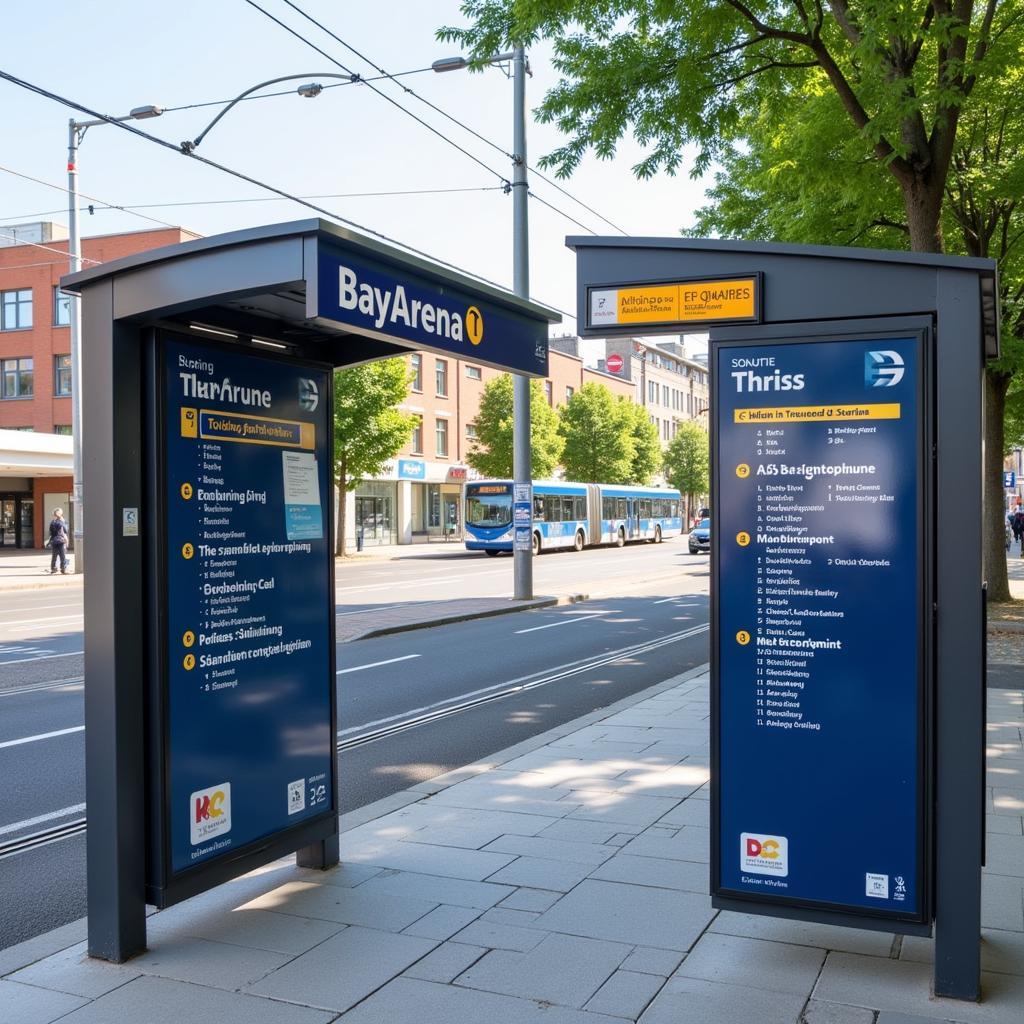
<point>922,200</point>
<point>994,522</point>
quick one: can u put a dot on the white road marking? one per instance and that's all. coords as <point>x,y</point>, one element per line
<point>29,822</point>
<point>35,622</point>
<point>41,736</point>
<point>566,621</point>
<point>392,585</point>
<point>376,664</point>
<point>42,656</point>
<point>75,683</point>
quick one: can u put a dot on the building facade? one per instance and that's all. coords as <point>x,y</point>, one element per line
<point>419,495</point>
<point>35,358</point>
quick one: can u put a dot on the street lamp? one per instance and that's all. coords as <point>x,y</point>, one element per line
<point>76,132</point>
<point>521,463</point>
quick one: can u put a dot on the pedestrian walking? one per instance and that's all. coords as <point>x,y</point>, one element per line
<point>59,542</point>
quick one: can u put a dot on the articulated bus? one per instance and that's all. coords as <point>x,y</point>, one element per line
<point>570,515</point>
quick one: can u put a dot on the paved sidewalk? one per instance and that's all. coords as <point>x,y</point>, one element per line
<point>562,881</point>
<point>24,568</point>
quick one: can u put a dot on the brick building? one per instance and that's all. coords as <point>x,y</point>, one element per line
<point>418,495</point>
<point>35,360</point>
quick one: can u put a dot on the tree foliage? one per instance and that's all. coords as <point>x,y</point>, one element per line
<point>368,428</point>
<point>647,455</point>
<point>687,462</point>
<point>492,450</point>
<point>678,72</point>
<point>598,431</point>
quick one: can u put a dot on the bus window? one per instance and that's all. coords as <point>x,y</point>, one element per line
<point>538,509</point>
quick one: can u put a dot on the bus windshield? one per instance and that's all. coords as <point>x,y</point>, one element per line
<point>489,509</point>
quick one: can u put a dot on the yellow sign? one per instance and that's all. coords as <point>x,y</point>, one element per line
<point>730,299</point>
<point>189,423</point>
<point>189,638</point>
<point>186,491</point>
<point>189,662</point>
<point>819,413</point>
<point>743,471</point>
<point>719,300</point>
<point>187,551</point>
<point>743,538</point>
<point>474,325</point>
<point>743,638</point>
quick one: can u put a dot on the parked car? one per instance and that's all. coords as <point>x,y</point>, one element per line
<point>701,514</point>
<point>700,537</point>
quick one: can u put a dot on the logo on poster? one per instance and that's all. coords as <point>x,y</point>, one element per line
<point>210,812</point>
<point>764,854</point>
<point>883,369</point>
<point>309,395</point>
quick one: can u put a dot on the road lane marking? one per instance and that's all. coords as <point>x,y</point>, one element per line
<point>566,621</point>
<point>41,736</point>
<point>74,683</point>
<point>32,622</point>
<point>28,822</point>
<point>41,657</point>
<point>394,585</point>
<point>368,732</point>
<point>665,600</point>
<point>376,664</point>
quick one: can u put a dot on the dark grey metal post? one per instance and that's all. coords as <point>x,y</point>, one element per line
<point>114,720</point>
<point>960,686</point>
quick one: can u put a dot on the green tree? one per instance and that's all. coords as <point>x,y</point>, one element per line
<point>598,432</point>
<point>491,453</point>
<point>921,100</point>
<point>647,455</point>
<point>368,428</point>
<point>687,463</point>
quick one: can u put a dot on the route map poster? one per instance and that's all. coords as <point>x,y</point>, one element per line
<point>248,598</point>
<point>819,558</point>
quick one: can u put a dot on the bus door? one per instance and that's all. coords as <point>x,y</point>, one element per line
<point>632,518</point>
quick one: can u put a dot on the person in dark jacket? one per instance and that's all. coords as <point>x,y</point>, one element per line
<point>58,542</point>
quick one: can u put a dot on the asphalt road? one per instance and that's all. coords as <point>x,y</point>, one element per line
<point>411,705</point>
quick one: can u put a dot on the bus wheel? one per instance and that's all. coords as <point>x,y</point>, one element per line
<point>620,538</point>
<point>491,553</point>
<point>578,543</point>
<point>536,543</point>
<point>657,535</point>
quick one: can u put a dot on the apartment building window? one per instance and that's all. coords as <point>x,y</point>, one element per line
<point>441,434</point>
<point>470,431</point>
<point>474,373</point>
<point>547,391</point>
<point>64,429</point>
<point>652,392</point>
<point>689,404</point>
<point>62,376</point>
<point>441,377</point>
<point>16,310</point>
<point>16,378</point>
<point>61,308</point>
<point>664,395</point>
<point>416,367</point>
<point>569,392</point>
<point>417,436</point>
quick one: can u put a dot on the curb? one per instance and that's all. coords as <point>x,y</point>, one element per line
<point>489,613</point>
<point>44,584</point>
<point>1005,626</point>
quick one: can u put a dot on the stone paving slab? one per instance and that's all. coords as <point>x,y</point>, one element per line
<point>563,881</point>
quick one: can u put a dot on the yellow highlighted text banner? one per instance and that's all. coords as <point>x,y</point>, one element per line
<point>819,413</point>
<point>718,300</point>
<point>654,303</point>
<point>235,426</point>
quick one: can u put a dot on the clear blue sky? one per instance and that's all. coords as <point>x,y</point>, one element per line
<point>113,55</point>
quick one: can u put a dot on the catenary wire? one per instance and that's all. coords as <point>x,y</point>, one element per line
<point>46,248</point>
<point>451,117</point>
<point>430,128</point>
<point>241,175</point>
<point>132,207</point>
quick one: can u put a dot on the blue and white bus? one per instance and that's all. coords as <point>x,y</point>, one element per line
<point>571,515</point>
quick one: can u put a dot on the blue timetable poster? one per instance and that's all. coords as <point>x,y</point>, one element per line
<point>818,521</point>
<point>248,598</point>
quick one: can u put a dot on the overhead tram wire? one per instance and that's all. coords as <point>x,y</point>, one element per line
<point>334,60</point>
<point>451,117</point>
<point>132,207</point>
<point>37,245</point>
<point>241,175</point>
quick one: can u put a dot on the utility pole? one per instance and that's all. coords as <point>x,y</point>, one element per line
<point>521,463</point>
<point>75,132</point>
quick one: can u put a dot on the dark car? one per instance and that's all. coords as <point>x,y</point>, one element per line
<point>700,537</point>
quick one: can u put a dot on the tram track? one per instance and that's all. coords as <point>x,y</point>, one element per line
<point>359,736</point>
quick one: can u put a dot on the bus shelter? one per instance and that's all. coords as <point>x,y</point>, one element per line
<point>848,632</point>
<point>210,707</point>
